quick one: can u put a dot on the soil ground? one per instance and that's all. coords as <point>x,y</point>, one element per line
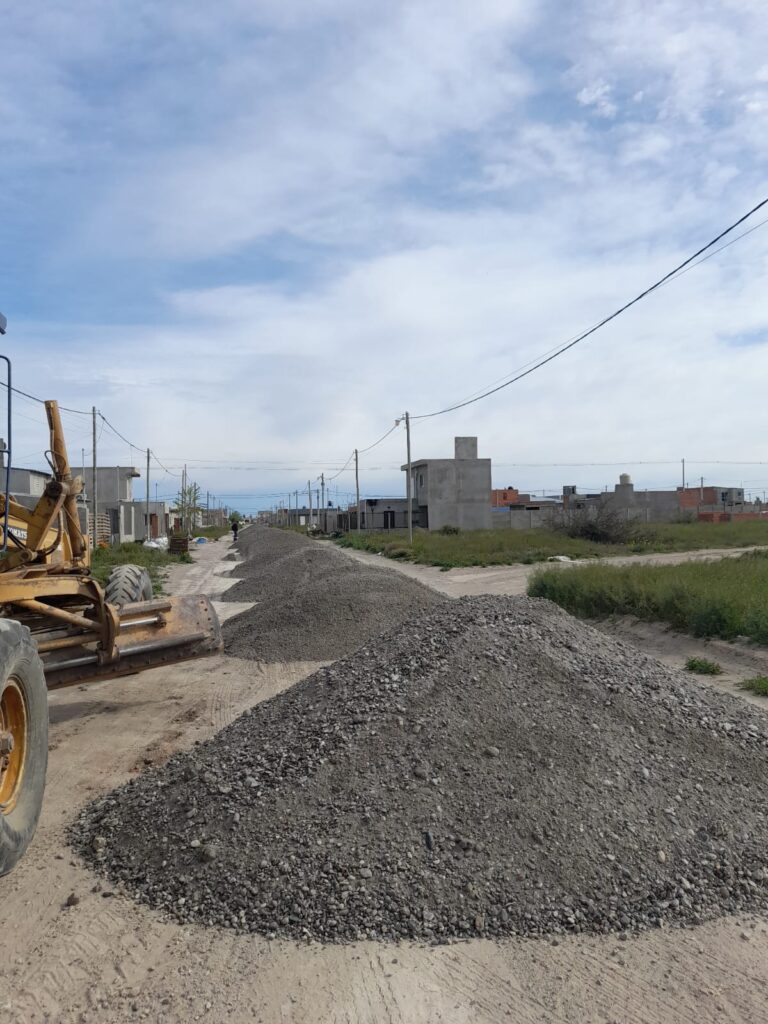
<point>106,959</point>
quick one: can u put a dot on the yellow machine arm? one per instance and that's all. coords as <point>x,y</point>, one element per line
<point>53,519</point>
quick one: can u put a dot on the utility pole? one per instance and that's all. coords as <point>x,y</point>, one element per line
<point>82,464</point>
<point>357,488</point>
<point>309,492</point>
<point>149,529</point>
<point>94,492</point>
<point>207,508</point>
<point>701,492</point>
<point>410,481</point>
<point>324,525</point>
<point>683,462</point>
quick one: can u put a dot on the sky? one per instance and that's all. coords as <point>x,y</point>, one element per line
<point>253,234</point>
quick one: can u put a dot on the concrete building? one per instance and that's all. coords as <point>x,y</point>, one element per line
<point>452,492</point>
<point>660,506</point>
<point>115,483</point>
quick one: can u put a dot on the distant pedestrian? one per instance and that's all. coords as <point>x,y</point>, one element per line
<point>234,530</point>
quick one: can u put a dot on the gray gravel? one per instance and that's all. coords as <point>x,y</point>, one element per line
<point>495,768</point>
<point>313,602</point>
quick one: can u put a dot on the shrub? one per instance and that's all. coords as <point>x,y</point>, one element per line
<point>704,667</point>
<point>758,685</point>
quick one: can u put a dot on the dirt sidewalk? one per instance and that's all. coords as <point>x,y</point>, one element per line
<point>106,959</point>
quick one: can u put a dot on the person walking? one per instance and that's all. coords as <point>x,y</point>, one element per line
<point>234,530</point>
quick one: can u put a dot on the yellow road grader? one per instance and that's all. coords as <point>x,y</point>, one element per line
<point>59,626</point>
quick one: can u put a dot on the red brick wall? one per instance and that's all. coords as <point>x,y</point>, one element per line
<point>691,497</point>
<point>500,498</point>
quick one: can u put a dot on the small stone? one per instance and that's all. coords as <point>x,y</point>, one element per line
<point>492,751</point>
<point>646,773</point>
<point>661,857</point>
<point>366,873</point>
<point>420,773</point>
<point>746,936</point>
<point>195,844</point>
<point>72,900</point>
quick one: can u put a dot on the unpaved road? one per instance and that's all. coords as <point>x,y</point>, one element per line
<point>513,579</point>
<point>107,959</point>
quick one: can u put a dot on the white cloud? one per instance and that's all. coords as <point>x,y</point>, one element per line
<point>597,95</point>
<point>333,210</point>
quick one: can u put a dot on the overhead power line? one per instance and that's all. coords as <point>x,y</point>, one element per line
<point>585,334</point>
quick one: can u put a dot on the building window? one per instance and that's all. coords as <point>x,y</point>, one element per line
<point>421,479</point>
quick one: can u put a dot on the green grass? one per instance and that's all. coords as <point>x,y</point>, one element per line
<point>507,547</point>
<point>103,560</point>
<point>213,532</point>
<point>704,667</point>
<point>726,598</point>
<point>758,685</point>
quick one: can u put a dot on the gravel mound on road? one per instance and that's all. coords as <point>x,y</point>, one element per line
<point>313,603</point>
<point>495,768</point>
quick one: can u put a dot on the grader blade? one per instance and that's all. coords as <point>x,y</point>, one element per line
<point>151,633</point>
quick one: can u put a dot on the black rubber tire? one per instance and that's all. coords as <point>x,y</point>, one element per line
<point>128,583</point>
<point>19,658</point>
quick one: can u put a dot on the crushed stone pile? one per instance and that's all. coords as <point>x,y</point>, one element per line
<point>494,768</point>
<point>313,602</point>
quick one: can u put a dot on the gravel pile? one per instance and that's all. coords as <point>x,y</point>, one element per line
<point>495,768</point>
<point>313,603</point>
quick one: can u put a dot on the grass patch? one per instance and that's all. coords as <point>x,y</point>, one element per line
<point>477,547</point>
<point>726,598</point>
<point>103,560</point>
<point>213,532</point>
<point>758,685</point>
<point>704,667</point>
<point>508,547</point>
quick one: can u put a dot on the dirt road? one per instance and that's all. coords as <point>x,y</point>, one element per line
<point>106,959</point>
<point>513,579</point>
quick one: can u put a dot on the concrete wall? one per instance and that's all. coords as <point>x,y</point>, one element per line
<point>115,483</point>
<point>453,492</point>
<point>521,518</point>
<point>28,481</point>
<point>159,516</point>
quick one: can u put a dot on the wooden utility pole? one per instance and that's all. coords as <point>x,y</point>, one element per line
<point>683,462</point>
<point>94,490</point>
<point>324,521</point>
<point>148,535</point>
<point>410,481</point>
<point>357,488</point>
<point>309,492</point>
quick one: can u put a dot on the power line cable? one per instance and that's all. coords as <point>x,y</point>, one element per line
<point>345,466</point>
<point>585,334</point>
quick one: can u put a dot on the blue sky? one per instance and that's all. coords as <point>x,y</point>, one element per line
<point>260,231</point>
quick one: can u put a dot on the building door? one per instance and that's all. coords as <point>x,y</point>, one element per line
<point>389,520</point>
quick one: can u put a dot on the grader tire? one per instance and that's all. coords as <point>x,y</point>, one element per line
<point>23,729</point>
<point>128,583</point>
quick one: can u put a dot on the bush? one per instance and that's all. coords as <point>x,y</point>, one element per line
<point>703,667</point>
<point>449,531</point>
<point>601,524</point>
<point>758,685</point>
